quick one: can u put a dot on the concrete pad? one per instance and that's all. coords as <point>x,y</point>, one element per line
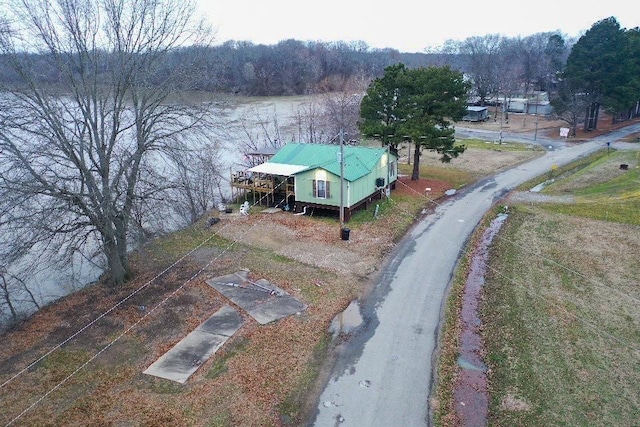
<point>264,301</point>
<point>179,363</point>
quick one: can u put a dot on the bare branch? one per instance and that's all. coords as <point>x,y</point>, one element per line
<point>79,156</point>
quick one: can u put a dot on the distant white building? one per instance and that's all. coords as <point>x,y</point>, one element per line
<point>536,103</point>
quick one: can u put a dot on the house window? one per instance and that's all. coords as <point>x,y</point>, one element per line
<point>321,189</point>
<point>392,169</point>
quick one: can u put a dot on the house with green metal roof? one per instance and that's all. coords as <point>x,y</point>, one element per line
<point>305,177</point>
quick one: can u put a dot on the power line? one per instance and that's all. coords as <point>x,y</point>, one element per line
<point>192,278</point>
<point>552,261</point>
<point>127,330</point>
<point>570,270</point>
<point>591,325</point>
<point>112,308</point>
<point>118,304</point>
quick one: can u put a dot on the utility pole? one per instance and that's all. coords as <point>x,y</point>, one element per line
<point>388,190</point>
<point>535,135</point>
<point>341,180</point>
<point>501,115</point>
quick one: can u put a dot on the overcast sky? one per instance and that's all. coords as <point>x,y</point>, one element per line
<point>406,25</point>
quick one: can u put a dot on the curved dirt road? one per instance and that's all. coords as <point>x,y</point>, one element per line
<point>383,375</point>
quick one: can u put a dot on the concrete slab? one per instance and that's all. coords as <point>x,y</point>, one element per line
<point>179,363</point>
<point>262,300</point>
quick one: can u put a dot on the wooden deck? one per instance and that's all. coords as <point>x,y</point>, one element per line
<point>265,189</point>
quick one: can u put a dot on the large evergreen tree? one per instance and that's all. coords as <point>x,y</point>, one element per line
<point>419,103</point>
<point>600,66</point>
<point>633,36</point>
<point>380,107</point>
<point>438,97</point>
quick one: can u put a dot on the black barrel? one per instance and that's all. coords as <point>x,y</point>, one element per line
<point>345,233</point>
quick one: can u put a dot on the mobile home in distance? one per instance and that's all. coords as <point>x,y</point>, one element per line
<point>476,114</point>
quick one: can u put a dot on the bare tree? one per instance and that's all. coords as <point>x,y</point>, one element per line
<point>342,106</point>
<point>509,70</point>
<point>17,300</point>
<point>14,294</point>
<point>542,56</point>
<point>74,152</point>
<point>533,59</point>
<point>259,131</point>
<point>335,108</point>
<point>311,124</point>
<point>569,103</point>
<point>482,55</point>
<point>198,182</point>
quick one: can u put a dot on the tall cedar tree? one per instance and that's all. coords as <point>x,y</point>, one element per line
<point>600,64</point>
<point>417,104</point>
<point>380,107</point>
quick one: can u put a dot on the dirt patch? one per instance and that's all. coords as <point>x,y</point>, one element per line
<point>512,403</point>
<point>307,240</point>
<point>481,162</point>
<point>549,127</point>
<point>423,187</point>
<point>318,243</point>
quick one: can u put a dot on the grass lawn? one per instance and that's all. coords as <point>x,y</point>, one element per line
<point>561,306</point>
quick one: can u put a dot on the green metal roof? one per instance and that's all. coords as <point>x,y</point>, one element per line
<point>359,161</point>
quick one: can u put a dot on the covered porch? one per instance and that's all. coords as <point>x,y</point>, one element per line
<point>269,184</point>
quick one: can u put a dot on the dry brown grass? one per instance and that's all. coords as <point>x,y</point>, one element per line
<point>481,162</point>
<point>562,314</point>
<point>262,376</point>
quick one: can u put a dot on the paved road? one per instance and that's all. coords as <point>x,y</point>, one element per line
<point>383,374</point>
<point>522,137</point>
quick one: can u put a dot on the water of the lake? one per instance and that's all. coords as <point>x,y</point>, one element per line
<point>240,119</point>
